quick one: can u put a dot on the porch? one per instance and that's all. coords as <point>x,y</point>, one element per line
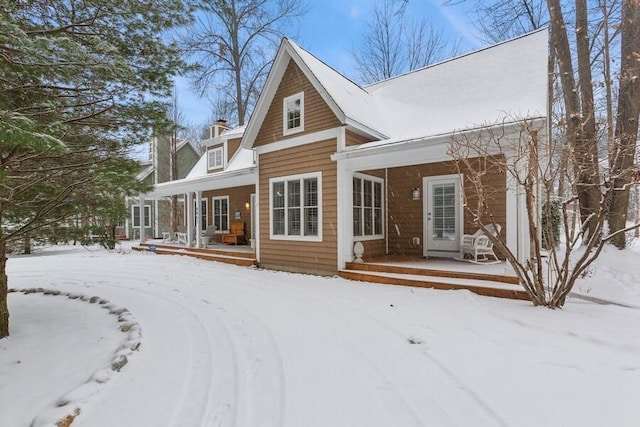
<point>241,255</point>
<point>497,280</point>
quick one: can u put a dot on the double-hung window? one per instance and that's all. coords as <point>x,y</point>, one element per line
<point>215,157</point>
<point>221,213</point>
<point>296,207</point>
<point>367,207</point>
<point>135,215</point>
<point>293,113</point>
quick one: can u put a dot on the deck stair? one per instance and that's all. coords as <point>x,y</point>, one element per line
<point>235,257</point>
<point>500,286</point>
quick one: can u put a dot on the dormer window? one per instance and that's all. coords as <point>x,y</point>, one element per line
<point>294,113</point>
<point>215,157</point>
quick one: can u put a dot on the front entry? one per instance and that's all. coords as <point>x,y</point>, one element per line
<point>442,208</point>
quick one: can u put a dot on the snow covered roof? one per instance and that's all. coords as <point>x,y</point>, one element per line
<point>357,105</point>
<point>503,81</point>
<point>240,170</point>
<point>145,172</point>
<point>236,132</point>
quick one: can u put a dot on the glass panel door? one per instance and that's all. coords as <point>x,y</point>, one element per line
<point>443,214</point>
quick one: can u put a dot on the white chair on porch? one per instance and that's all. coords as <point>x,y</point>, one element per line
<point>478,247</point>
<point>181,235</point>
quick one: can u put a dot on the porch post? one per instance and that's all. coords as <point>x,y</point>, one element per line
<point>143,236</point>
<point>189,219</point>
<point>198,219</point>
<point>345,214</point>
<point>516,222</point>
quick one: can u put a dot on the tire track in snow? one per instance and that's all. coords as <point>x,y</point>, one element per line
<point>243,372</point>
<point>477,407</point>
<point>200,401</point>
<point>252,378</point>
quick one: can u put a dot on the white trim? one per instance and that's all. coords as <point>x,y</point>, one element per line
<point>342,139</point>
<point>285,116</point>
<point>297,141</point>
<point>257,214</point>
<point>373,179</point>
<point>213,213</point>
<point>156,218</point>
<point>146,216</point>
<point>301,237</point>
<point>222,148</point>
<point>198,217</point>
<point>345,215</point>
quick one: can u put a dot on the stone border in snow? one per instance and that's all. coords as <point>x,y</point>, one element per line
<point>69,406</point>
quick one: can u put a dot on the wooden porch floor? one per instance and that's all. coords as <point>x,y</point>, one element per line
<point>230,254</point>
<point>497,280</point>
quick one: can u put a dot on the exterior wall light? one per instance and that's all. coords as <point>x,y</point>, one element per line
<point>416,193</point>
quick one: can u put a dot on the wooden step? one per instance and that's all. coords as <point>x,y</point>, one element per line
<point>480,287</point>
<point>431,272</point>
<point>208,250</point>
<point>220,256</point>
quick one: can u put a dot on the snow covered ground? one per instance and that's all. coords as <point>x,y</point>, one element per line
<point>230,346</point>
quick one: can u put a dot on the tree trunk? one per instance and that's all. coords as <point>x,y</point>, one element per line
<point>26,249</point>
<point>4,307</point>
<point>579,135</point>
<point>626,133</point>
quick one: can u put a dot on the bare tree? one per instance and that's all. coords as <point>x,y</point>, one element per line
<point>500,20</point>
<point>233,43</point>
<point>626,133</point>
<point>533,165</point>
<point>394,43</point>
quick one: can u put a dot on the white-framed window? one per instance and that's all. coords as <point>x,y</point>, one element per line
<point>135,216</point>
<point>202,212</point>
<point>221,213</point>
<point>293,113</point>
<point>367,207</point>
<point>296,207</point>
<point>215,157</point>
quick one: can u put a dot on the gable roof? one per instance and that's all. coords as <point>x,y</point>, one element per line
<point>147,169</point>
<point>187,143</point>
<point>508,79</point>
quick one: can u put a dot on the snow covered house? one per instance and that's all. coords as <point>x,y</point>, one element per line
<point>155,171</point>
<point>330,163</point>
<point>219,189</point>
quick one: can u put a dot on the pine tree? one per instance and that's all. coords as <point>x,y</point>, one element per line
<point>79,86</point>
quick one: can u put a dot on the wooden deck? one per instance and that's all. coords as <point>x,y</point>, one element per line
<point>237,255</point>
<point>447,275</point>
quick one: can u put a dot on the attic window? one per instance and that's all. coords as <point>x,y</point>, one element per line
<point>215,157</point>
<point>294,113</point>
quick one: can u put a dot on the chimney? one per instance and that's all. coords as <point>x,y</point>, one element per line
<point>218,127</point>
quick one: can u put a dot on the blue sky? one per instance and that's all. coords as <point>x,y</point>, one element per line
<point>332,30</point>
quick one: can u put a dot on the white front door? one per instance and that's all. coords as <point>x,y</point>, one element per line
<point>443,214</point>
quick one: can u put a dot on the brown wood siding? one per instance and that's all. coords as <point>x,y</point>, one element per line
<point>300,256</point>
<point>405,219</point>
<point>232,147</point>
<point>317,114</point>
<point>237,198</point>
<point>355,139</point>
<point>373,248</point>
